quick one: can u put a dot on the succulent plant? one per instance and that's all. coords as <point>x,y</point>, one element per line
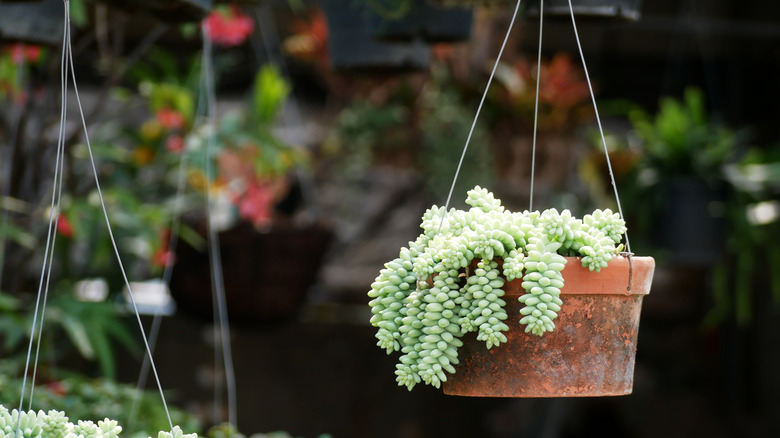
<point>55,424</point>
<point>450,280</point>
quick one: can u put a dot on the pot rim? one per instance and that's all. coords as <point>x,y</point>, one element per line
<point>612,280</point>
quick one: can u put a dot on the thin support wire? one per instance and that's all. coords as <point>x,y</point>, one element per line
<point>598,120</point>
<point>222,326</point>
<point>536,105</point>
<point>51,231</point>
<point>476,116</point>
<point>154,331</point>
<point>108,222</point>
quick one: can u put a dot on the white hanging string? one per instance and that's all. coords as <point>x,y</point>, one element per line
<point>536,105</point>
<point>68,68</point>
<point>221,325</point>
<point>57,185</point>
<point>598,121</point>
<point>40,302</point>
<point>154,331</point>
<point>476,116</point>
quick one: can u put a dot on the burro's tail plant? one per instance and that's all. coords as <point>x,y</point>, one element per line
<point>450,280</point>
<point>54,424</point>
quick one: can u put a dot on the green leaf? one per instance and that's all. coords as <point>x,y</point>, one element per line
<point>77,333</point>
<point>102,348</point>
<point>8,302</point>
<point>20,236</point>
<point>270,91</point>
<point>78,13</point>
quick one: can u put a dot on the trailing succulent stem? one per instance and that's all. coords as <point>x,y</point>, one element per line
<point>450,280</point>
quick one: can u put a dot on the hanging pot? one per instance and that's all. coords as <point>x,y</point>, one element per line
<point>177,11</point>
<point>475,3</point>
<point>685,225</point>
<point>423,20</point>
<point>609,9</point>
<point>353,46</point>
<point>591,352</point>
<point>34,22</point>
<point>266,274</point>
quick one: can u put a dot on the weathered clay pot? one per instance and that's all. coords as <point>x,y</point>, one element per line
<point>591,352</point>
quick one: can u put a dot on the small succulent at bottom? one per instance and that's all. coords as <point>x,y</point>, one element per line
<point>450,280</point>
<point>54,424</point>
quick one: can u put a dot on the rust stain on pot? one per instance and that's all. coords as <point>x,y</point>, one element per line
<point>590,353</point>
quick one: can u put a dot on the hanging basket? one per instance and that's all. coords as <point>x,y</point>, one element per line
<point>602,9</point>
<point>591,352</point>
<point>427,21</point>
<point>266,275</point>
<point>692,235</point>
<point>353,46</point>
<point>174,11</point>
<point>475,3</point>
<point>33,22</point>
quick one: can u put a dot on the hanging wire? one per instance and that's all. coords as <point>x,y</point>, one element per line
<point>221,326</point>
<point>601,129</point>
<point>536,105</point>
<point>40,302</point>
<point>58,173</point>
<point>154,331</point>
<point>476,116</point>
<point>68,68</point>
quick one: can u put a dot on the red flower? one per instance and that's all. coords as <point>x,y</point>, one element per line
<point>64,227</point>
<point>57,388</point>
<point>169,118</point>
<point>174,144</point>
<point>21,52</point>
<point>255,204</point>
<point>163,256</point>
<point>228,27</point>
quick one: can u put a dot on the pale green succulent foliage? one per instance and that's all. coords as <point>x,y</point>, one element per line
<point>54,424</point>
<point>425,300</point>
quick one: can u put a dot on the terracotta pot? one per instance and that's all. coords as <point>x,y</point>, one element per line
<point>591,352</point>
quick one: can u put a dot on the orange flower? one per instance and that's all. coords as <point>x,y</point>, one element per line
<point>563,85</point>
<point>142,155</point>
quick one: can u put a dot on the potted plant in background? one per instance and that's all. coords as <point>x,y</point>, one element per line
<point>681,171</point>
<point>260,210</point>
<point>701,200</point>
<point>504,276</point>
